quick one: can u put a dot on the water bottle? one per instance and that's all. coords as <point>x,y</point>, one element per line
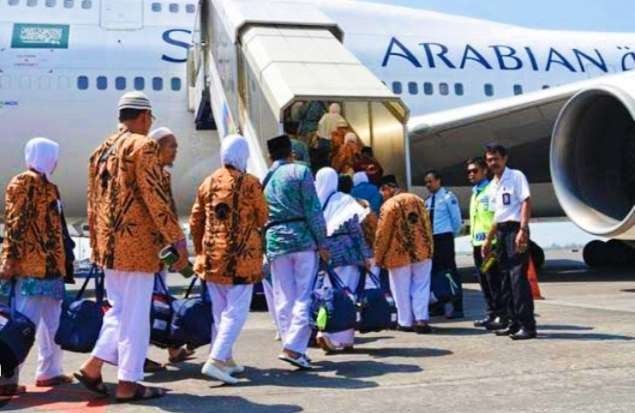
<point>169,255</point>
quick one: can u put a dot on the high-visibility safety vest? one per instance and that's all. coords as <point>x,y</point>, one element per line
<point>481,214</point>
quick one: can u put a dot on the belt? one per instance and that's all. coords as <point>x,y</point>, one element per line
<point>284,221</point>
<point>508,225</point>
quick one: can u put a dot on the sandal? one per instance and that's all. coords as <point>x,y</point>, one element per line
<point>54,381</point>
<point>184,354</point>
<point>150,366</point>
<point>143,393</point>
<point>95,385</point>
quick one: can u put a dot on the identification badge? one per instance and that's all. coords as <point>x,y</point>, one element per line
<point>507,199</point>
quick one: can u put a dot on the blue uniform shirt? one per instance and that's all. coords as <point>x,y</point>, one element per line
<point>445,212</point>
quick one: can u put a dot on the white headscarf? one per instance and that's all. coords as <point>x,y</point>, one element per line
<point>234,151</point>
<point>341,207</point>
<point>331,121</point>
<point>360,178</point>
<point>41,154</point>
<point>160,133</point>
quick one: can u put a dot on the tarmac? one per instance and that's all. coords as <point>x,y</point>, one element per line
<point>582,361</point>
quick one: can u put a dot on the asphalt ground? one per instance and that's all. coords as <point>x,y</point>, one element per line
<point>582,361</point>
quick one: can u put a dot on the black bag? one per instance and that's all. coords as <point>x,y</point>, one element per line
<point>443,288</point>
<point>192,320</point>
<point>333,308</point>
<point>17,335</point>
<point>81,319</point>
<point>161,315</point>
<point>376,308</point>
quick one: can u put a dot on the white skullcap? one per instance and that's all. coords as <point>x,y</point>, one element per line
<point>160,133</point>
<point>134,100</point>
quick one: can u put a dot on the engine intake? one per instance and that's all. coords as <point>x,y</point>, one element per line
<point>592,159</point>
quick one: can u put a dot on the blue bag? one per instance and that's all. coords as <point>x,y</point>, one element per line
<point>443,288</point>
<point>376,308</point>
<point>81,318</point>
<point>17,335</point>
<point>161,315</point>
<point>192,320</point>
<point>333,308</point>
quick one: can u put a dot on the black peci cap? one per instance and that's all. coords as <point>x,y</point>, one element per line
<point>279,143</point>
<point>389,180</point>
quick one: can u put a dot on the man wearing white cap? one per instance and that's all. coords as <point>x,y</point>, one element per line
<point>131,220</point>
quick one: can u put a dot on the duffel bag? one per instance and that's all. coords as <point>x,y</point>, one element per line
<point>81,318</point>
<point>376,308</point>
<point>192,320</point>
<point>161,315</point>
<point>17,335</point>
<point>333,307</point>
<point>443,288</point>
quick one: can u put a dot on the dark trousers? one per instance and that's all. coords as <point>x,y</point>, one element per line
<point>492,286</point>
<point>514,266</point>
<point>444,259</point>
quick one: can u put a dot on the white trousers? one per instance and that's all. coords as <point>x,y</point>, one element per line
<point>125,334</point>
<point>267,288</point>
<point>230,308</point>
<point>44,312</point>
<point>349,275</point>
<point>293,277</point>
<point>410,287</point>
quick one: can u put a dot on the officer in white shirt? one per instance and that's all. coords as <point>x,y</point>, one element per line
<point>445,217</point>
<point>511,202</point>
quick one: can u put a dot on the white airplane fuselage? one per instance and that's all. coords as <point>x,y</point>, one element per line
<point>63,69</point>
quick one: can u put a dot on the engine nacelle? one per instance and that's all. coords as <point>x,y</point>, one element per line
<point>592,159</point>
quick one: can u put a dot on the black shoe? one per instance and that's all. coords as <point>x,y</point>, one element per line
<point>422,329</point>
<point>484,322</point>
<point>456,315</point>
<point>497,324</point>
<point>523,334</point>
<point>405,329</point>
<point>506,331</point>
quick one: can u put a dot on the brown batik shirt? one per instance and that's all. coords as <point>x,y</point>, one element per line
<point>130,212</point>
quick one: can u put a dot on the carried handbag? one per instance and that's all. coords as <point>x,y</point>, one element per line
<point>333,308</point>
<point>82,318</point>
<point>443,288</point>
<point>376,309</point>
<point>17,335</point>
<point>161,315</point>
<point>192,319</point>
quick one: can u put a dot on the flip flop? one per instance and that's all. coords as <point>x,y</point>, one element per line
<point>150,366</point>
<point>183,355</point>
<point>54,381</point>
<point>142,393</point>
<point>95,385</point>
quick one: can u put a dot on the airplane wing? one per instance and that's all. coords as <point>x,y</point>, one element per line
<point>444,140</point>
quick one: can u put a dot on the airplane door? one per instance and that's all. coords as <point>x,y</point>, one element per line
<point>121,14</point>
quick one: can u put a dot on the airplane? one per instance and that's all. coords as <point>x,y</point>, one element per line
<point>459,82</point>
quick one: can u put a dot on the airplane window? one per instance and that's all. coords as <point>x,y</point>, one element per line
<point>428,88</point>
<point>102,82</point>
<point>69,4</point>
<point>14,2</point>
<point>51,3</point>
<point>458,89</point>
<point>82,82</point>
<point>139,83</point>
<point>396,88</point>
<point>176,83</point>
<point>518,90</point>
<point>174,8</point>
<point>87,4</point>
<point>489,89</point>
<point>156,7</point>
<point>157,83</point>
<point>31,3</point>
<point>413,88</point>
<point>120,83</point>
<point>444,89</point>
<point>190,8</point>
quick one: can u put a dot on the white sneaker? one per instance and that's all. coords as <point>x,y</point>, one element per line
<point>216,371</point>
<point>233,367</point>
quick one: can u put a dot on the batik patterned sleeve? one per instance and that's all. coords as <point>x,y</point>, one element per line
<point>149,178</point>
<point>197,218</point>
<point>16,216</point>
<point>427,228</point>
<point>384,231</point>
<point>312,209</point>
<point>90,204</point>
<point>259,202</point>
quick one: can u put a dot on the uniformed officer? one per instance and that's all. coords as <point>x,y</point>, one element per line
<point>511,202</point>
<point>445,215</point>
<point>481,222</point>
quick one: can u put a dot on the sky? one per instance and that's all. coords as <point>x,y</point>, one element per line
<point>592,15</point>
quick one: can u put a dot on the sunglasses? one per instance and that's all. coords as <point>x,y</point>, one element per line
<point>472,171</point>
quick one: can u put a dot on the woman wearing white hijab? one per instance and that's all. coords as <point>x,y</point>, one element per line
<point>34,257</point>
<point>346,244</point>
<point>226,225</point>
